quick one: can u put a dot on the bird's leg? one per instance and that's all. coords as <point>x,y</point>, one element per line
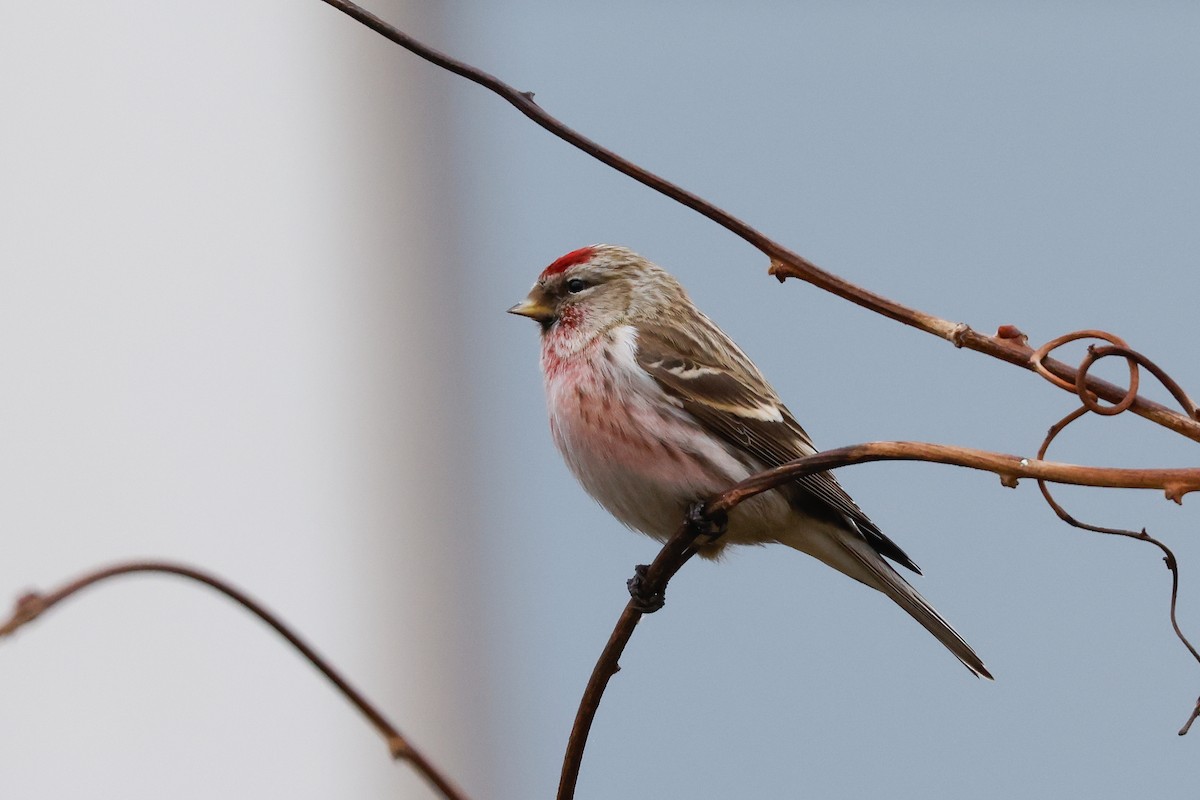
<point>711,526</point>
<point>645,601</point>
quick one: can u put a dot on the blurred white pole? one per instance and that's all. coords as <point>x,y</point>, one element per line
<point>227,276</point>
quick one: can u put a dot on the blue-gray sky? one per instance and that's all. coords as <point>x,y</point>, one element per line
<point>252,304</point>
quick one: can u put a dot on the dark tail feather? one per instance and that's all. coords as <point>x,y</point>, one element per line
<point>888,581</point>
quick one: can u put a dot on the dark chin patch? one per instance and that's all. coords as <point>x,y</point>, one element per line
<point>547,324</point>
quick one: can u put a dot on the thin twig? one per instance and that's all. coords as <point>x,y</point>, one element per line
<point>1088,404</point>
<point>1170,384</point>
<point>1168,556</point>
<point>32,605</point>
<point>784,262</point>
<point>673,555</point>
<point>1187,726</point>
<point>1078,386</point>
<point>1174,482</point>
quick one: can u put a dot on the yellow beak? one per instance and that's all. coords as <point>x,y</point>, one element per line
<point>535,307</point>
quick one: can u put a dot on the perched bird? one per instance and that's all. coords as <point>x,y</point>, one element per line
<point>654,409</point>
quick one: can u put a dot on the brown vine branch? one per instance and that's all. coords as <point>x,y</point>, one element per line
<point>1168,555</point>
<point>32,605</point>
<point>1097,353</point>
<point>1088,403</point>
<point>1175,483</point>
<point>784,262</point>
<point>673,555</point>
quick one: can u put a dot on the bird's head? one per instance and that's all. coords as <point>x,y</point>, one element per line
<point>594,288</point>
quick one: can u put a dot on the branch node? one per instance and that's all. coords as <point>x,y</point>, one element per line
<point>399,747</point>
<point>779,269</point>
<point>29,607</point>
<point>528,96</point>
<point>959,334</point>
<point>1013,334</point>
<point>1176,491</point>
<point>1009,480</point>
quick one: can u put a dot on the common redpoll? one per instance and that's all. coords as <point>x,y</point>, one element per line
<point>655,409</point>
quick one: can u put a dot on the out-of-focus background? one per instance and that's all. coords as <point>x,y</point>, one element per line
<point>253,267</point>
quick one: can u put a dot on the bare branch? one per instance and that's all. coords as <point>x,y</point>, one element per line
<point>1168,556</point>
<point>673,555</point>
<point>1090,404</point>
<point>1174,482</point>
<point>784,262</point>
<point>32,605</point>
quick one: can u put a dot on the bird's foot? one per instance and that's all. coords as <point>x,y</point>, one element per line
<point>644,600</point>
<point>710,526</point>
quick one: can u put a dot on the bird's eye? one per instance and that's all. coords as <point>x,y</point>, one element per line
<point>576,285</point>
